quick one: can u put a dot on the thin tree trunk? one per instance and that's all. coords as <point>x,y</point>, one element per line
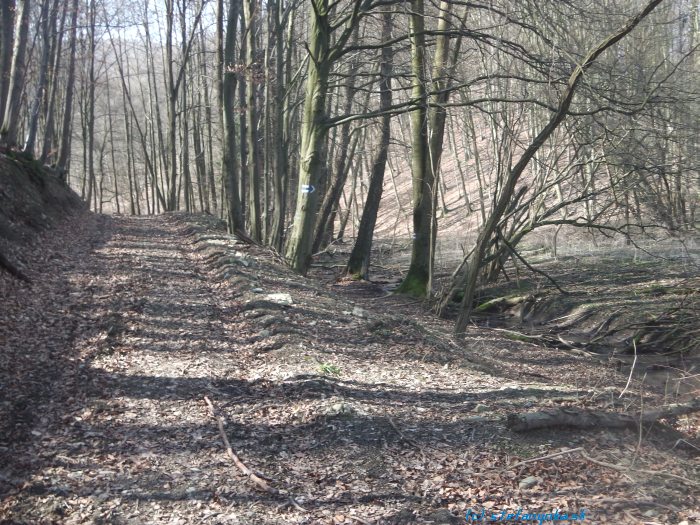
<point>359,262</point>
<point>10,123</point>
<point>231,173</point>
<point>7,22</point>
<point>64,153</point>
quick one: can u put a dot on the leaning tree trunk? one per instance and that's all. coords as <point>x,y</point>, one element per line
<point>508,190</point>
<point>358,264</point>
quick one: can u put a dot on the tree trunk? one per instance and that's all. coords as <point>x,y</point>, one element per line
<point>313,137</point>
<point>416,281</point>
<point>43,76</point>
<point>280,168</point>
<point>231,173</point>
<point>64,153</point>
<point>10,123</point>
<point>340,170</point>
<point>358,264</point>
<point>50,138</point>
<point>7,22</point>
<point>252,132</point>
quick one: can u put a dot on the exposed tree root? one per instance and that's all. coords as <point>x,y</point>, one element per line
<point>12,269</point>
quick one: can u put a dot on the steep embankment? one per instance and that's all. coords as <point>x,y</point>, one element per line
<point>32,200</point>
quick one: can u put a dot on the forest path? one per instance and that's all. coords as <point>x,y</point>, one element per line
<point>364,412</point>
<point>150,339</point>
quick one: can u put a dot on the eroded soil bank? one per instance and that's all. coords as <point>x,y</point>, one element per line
<point>352,405</point>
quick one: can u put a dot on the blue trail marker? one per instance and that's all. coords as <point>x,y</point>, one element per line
<point>307,188</point>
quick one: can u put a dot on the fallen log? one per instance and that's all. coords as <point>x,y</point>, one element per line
<point>502,303</point>
<point>578,418</point>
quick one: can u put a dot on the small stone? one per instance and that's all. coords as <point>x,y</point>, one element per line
<point>340,409</point>
<point>360,312</point>
<point>528,482</point>
<point>280,298</point>
<point>265,333</point>
<point>481,408</point>
<point>257,290</point>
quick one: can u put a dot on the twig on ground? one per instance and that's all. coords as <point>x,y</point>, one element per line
<point>629,379</point>
<point>548,456</point>
<point>230,453</point>
<point>620,468</point>
<point>261,483</point>
<point>401,434</point>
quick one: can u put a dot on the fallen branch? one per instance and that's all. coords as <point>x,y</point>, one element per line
<point>570,417</point>
<point>528,265</point>
<point>236,460</point>
<point>401,434</point>
<point>621,468</point>
<point>548,456</point>
<point>259,482</point>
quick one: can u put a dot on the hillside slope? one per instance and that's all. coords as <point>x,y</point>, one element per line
<point>32,200</point>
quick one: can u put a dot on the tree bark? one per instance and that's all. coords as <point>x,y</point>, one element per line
<point>7,23</point>
<point>65,148</point>
<point>43,77</point>
<point>313,136</point>
<point>416,281</point>
<point>359,262</point>
<point>252,131</point>
<point>10,123</point>
<point>231,173</point>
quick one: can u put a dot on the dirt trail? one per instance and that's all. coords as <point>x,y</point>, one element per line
<point>353,408</point>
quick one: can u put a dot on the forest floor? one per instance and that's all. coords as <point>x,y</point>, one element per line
<point>349,404</point>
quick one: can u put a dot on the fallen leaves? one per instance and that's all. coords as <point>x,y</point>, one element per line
<point>114,354</point>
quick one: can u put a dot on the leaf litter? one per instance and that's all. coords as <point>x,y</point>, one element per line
<point>331,417</point>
